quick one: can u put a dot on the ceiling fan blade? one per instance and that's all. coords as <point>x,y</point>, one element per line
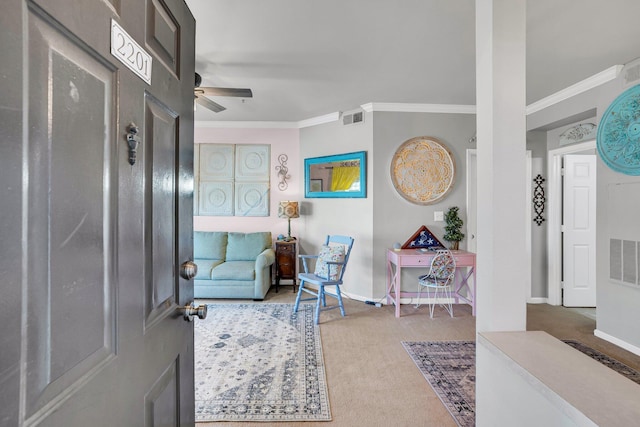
<point>223,91</point>
<point>209,104</point>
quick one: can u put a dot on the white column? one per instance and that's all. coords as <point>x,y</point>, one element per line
<point>501,127</point>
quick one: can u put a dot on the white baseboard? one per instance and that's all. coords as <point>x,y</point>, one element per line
<point>348,295</point>
<point>351,296</point>
<point>537,300</point>
<point>426,300</point>
<point>383,300</point>
<point>617,341</point>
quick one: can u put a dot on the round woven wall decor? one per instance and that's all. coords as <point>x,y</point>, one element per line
<point>423,170</point>
<point>618,138</point>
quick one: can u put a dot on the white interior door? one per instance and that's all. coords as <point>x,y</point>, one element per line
<point>579,231</point>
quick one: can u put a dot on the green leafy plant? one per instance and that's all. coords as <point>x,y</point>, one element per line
<point>454,224</point>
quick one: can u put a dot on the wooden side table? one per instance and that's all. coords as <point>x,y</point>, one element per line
<point>286,262</point>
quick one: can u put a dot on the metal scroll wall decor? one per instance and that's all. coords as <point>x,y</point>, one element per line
<point>538,199</point>
<point>423,170</point>
<point>283,172</point>
<point>618,139</point>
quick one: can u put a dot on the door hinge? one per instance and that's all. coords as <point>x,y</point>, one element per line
<point>562,228</point>
<point>562,171</point>
<point>562,285</point>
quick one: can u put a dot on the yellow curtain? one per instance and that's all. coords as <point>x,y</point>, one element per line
<point>343,177</point>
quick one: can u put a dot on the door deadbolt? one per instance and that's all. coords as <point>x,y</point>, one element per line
<point>189,311</point>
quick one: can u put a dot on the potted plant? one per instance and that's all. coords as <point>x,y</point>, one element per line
<point>454,224</point>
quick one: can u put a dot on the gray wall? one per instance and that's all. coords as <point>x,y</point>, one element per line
<point>351,217</point>
<point>537,144</point>
<point>384,217</point>
<point>618,304</point>
<point>396,219</point>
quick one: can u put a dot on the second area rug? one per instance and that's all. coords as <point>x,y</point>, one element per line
<point>450,369</point>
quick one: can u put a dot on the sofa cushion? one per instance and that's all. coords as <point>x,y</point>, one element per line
<point>235,270</point>
<point>330,253</point>
<point>210,244</point>
<point>247,246</point>
<point>205,266</point>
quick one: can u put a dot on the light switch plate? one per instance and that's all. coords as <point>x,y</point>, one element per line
<point>438,216</point>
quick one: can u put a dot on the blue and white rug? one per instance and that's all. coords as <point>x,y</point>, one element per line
<point>259,362</point>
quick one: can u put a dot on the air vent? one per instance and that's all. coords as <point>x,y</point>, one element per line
<point>624,259</point>
<point>352,118</point>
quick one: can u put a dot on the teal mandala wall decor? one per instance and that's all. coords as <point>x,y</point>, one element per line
<point>618,138</point>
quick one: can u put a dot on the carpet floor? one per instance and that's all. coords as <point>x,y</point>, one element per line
<point>373,382</point>
<point>259,362</point>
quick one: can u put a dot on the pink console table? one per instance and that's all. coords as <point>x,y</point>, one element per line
<point>464,291</point>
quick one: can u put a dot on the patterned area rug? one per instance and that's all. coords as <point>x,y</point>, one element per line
<point>617,366</point>
<point>259,362</point>
<point>450,369</point>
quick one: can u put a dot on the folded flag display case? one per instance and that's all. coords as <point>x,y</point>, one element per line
<point>423,239</point>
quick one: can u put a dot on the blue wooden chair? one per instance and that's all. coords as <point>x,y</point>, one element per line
<point>330,266</point>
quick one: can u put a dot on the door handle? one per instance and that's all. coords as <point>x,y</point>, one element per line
<point>189,311</point>
<point>188,270</point>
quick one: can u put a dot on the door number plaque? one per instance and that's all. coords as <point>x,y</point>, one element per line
<point>125,48</point>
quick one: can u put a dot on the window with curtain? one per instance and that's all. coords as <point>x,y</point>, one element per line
<point>344,177</point>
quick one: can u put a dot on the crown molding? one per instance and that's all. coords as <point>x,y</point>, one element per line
<point>327,118</point>
<point>589,83</point>
<point>245,125</point>
<point>419,108</point>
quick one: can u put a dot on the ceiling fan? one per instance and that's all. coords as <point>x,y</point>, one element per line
<point>201,93</point>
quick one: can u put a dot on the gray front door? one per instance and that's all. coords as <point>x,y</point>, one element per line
<point>91,245</point>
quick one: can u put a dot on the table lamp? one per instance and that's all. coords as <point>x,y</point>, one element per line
<point>288,209</point>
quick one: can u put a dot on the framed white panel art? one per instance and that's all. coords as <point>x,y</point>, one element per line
<point>219,172</point>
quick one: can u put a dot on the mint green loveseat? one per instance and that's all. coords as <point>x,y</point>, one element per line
<point>232,265</point>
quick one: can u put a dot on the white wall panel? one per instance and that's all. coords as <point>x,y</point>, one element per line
<point>216,162</point>
<point>252,163</point>
<point>252,199</point>
<point>216,198</point>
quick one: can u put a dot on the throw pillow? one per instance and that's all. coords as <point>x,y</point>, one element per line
<point>330,253</point>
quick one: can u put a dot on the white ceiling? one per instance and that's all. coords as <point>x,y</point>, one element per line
<point>305,58</point>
